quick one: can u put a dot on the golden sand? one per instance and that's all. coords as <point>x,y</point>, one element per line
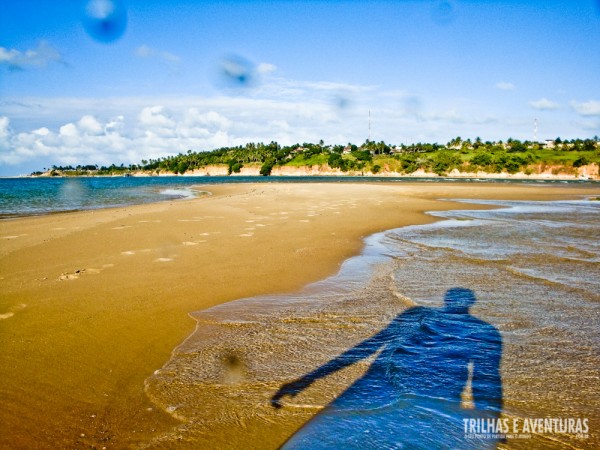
<point>93,302</point>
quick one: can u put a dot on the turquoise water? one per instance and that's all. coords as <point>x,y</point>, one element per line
<point>398,363</point>
<point>30,196</point>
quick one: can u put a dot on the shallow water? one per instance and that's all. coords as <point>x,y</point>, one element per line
<point>43,195</point>
<point>533,267</point>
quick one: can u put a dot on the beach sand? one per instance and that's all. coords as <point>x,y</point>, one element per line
<point>93,302</point>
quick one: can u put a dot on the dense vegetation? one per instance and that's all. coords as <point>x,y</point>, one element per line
<point>511,156</point>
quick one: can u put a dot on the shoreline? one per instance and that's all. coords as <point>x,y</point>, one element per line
<point>158,262</point>
<point>183,182</point>
<point>198,385</point>
<point>584,173</point>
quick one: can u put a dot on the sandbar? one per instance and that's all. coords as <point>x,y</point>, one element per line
<point>94,301</point>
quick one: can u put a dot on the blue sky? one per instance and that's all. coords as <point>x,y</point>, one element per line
<point>428,70</point>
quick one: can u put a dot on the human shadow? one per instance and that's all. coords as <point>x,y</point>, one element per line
<point>414,394</point>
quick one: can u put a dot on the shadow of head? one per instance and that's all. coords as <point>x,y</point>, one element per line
<point>459,300</point>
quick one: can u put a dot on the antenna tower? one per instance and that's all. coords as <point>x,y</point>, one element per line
<point>535,128</point>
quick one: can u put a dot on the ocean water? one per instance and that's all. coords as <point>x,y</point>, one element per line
<point>487,314</point>
<point>32,196</point>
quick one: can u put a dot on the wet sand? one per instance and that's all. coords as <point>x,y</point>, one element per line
<point>94,302</point>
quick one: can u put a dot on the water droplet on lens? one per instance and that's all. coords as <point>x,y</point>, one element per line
<point>72,194</point>
<point>233,367</point>
<point>443,12</point>
<point>237,71</point>
<point>342,101</point>
<point>105,20</point>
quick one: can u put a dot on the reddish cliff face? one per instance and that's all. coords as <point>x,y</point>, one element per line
<point>538,171</point>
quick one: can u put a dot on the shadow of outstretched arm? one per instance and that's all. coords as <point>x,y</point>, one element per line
<point>349,357</point>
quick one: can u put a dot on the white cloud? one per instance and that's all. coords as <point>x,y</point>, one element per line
<point>4,124</point>
<point>211,119</point>
<point>544,104</point>
<point>100,9</point>
<point>153,116</point>
<point>68,130</point>
<point>505,86</point>
<point>265,68</point>
<point>90,125</point>
<point>591,108</point>
<point>37,58</point>
<point>282,124</point>
<point>145,51</point>
<point>7,56</point>
<point>41,131</point>
<point>331,86</point>
<point>46,131</point>
<point>114,125</point>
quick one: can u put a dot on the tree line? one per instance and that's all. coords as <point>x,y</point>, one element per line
<point>465,155</point>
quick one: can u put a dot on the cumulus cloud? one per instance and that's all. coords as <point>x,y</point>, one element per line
<point>155,131</point>
<point>505,86</point>
<point>155,121</point>
<point>46,131</point>
<point>544,104</point>
<point>37,58</point>
<point>590,108</point>
<point>210,119</point>
<point>152,131</point>
<point>68,130</point>
<point>90,125</point>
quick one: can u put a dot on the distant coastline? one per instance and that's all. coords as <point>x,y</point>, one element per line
<point>554,159</point>
<point>588,172</point>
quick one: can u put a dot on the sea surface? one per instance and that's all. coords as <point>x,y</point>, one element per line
<point>482,313</point>
<point>34,196</point>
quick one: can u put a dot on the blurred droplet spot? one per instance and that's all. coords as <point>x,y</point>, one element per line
<point>342,102</point>
<point>443,12</point>
<point>73,193</point>
<point>411,105</point>
<point>105,20</point>
<point>237,72</point>
<point>234,367</point>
